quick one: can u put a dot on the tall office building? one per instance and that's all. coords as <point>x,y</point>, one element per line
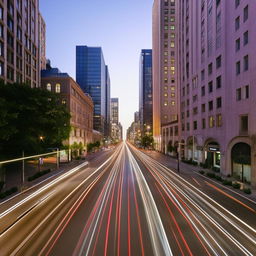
<point>93,77</point>
<point>107,104</point>
<point>20,54</point>
<point>165,73</point>
<point>114,110</point>
<point>145,97</point>
<point>116,127</point>
<point>218,85</point>
<point>215,67</point>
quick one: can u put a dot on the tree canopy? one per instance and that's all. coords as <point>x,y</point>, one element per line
<point>31,120</point>
<point>147,141</point>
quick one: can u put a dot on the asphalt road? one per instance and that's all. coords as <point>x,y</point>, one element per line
<point>127,203</point>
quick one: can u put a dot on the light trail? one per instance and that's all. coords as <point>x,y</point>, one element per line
<point>165,176</point>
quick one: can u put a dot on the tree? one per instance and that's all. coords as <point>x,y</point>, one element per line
<point>31,120</point>
<point>147,141</point>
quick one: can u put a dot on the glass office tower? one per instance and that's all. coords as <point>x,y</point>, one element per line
<point>91,76</point>
<point>145,100</point>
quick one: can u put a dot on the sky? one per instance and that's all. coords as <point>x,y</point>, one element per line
<point>121,27</point>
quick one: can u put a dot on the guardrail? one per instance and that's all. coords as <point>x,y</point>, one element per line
<point>17,172</point>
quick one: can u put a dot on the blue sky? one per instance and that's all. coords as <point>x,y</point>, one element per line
<point>121,27</point>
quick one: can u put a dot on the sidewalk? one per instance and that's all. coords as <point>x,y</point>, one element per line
<point>193,171</point>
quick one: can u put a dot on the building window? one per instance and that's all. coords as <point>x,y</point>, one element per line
<point>238,94</point>
<point>203,108</point>
<point>237,44</point>
<point>219,120</point>
<point>238,68</point>
<point>244,124</point>
<point>247,92</point>
<point>203,91</point>
<point>49,87</point>
<point>165,103</point>
<point>195,125</point>
<point>211,122</point>
<point>246,38</point>
<point>210,105</point>
<point>218,62</point>
<point>237,2</point>
<point>246,63</point>
<point>187,113</point>
<point>237,23</point>
<point>1,68</point>
<point>57,88</point>
<point>203,123</point>
<point>1,13</point>
<point>246,13</point>
<point>210,69</point>
<point>188,126</point>
<point>218,82</point>
<point>195,111</point>
<point>202,75</point>
<point>219,102</point>
<point>210,87</point>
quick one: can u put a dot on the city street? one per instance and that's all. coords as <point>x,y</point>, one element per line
<point>127,203</point>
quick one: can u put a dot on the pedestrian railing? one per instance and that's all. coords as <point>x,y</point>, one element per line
<point>18,173</point>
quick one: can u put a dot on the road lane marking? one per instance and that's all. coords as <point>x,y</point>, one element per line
<point>196,182</point>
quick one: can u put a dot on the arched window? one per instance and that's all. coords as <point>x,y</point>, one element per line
<point>49,87</point>
<point>57,88</point>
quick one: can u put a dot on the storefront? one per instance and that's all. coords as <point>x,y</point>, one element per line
<point>212,155</point>
<point>241,162</point>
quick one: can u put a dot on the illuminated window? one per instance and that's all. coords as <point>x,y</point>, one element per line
<point>57,88</point>
<point>165,53</point>
<point>165,68</point>
<point>172,27</point>
<point>173,95</point>
<point>166,88</point>
<point>166,95</point>
<point>165,61</point>
<point>172,35</point>
<point>172,68</point>
<point>173,103</point>
<point>211,122</point>
<point>172,88</point>
<point>64,102</point>
<point>219,120</point>
<point>172,44</point>
<point>49,87</point>
<point>165,116</point>
<point>165,103</point>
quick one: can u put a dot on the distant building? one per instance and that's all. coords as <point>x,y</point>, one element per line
<point>133,133</point>
<point>22,42</point>
<point>116,127</point>
<point>145,97</point>
<point>78,103</point>
<point>93,77</point>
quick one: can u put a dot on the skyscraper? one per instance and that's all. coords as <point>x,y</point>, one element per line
<point>145,97</point>
<point>93,77</point>
<point>207,49</point>
<point>116,127</point>
<point>165,74</point>
<point>21,49</point>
